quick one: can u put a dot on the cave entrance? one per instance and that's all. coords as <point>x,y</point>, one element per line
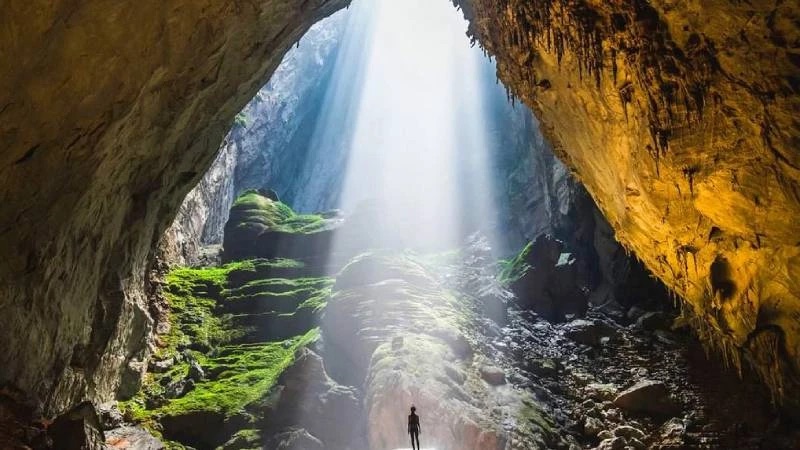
<point>388,109</point>
<point>384,227</point>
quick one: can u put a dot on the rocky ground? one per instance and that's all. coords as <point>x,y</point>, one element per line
<point>313,353</point>
<point>627,377</point>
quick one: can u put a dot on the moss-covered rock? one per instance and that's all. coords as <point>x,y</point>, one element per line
<point>264,227</point>
<point>402,331</point>
<point>219,362</point>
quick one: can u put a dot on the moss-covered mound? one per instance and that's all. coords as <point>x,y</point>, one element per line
<point>233,330</point>
<point>264,227</point>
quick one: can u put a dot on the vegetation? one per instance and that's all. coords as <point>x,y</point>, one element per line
<point>513,269</point>
<point>237,375</point>
<point>253,209</point>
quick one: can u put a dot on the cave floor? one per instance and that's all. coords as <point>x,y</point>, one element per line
<point>578,383</point>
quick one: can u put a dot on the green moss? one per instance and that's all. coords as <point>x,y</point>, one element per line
<point>513,269</point>
<point>252,210</point>
<point>279,285</point>
<point>533,420</point>
<point>245,374</point>
<point>237,376</point>
<point>192,295</point>
<point>249,439</point>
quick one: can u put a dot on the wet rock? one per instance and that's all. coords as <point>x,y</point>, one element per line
<point>160,366</point>
<point>78,429</point>
<point>671,433</point>
<point>195,372</point>
<point>295,439</point>
<point>592,333</point>
<point>592,426</point>
<point>605,434</point>
<point>653,320</point>
<point>601,391</point>
<point>628,432</point>
<point>636,444</point>
<point>634,313</point>
<point>493,375</point>
<point>545,367</point>
<point>614,443</point>
<point>132,438</point>
<point>110,416</point>
<point>328,410</point>
<point>647,397</point>
<point>550,282</point>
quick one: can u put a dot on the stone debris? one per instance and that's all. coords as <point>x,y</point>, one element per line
<point>648,397</point>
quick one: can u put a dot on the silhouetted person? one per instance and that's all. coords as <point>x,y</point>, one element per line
<point>413,428</point>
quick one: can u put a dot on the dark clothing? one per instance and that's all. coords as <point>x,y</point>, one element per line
<point>415,435</point>
<point>413,430</point>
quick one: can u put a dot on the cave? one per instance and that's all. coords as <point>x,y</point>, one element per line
<point>549,224</point>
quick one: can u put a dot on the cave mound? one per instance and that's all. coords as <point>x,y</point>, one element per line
<point>261,226</point>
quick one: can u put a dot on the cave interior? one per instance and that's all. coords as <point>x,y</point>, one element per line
<point>544,224</point>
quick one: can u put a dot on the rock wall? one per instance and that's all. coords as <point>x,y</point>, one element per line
<point>265,147</point>
<point>680,119</point>
<point>109,114</point>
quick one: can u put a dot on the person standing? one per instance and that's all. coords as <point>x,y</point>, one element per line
<point>414,428</point>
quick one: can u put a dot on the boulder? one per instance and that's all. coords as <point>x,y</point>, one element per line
<point>544,367</point>
<point>647,397</point>
<point>327,410</point>
<point>601,391</point>
<point>195,372</point>
<point>653,320</point>
<point>592,427</point>
<point>110,416</point>
<point>588,332</point>
<point>132,438</point>
<point>493,375</point>
<point>628,432</point>
<point>160,366</point>
<point>614,443</point>
<point>548,281</point>
<point>295,439</point>
<point>261,227</point>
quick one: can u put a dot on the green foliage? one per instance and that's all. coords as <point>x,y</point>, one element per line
<point>513,269</point>
<point>238,376</point>
<point>248,439</point>
<point>192,295</point>
<point>254,210</point>
<point>244,374</point>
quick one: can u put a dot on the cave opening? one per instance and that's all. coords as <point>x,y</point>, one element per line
<point>388,212</point>
<point>385,225</point>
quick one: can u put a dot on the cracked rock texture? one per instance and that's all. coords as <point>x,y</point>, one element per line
<point>109,114</point>
<point>680,117</point>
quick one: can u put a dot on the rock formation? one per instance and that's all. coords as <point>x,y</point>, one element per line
<point>109,114</point>
<point>680,120</point>
<point>678,116</point>
<point>265,147</point>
